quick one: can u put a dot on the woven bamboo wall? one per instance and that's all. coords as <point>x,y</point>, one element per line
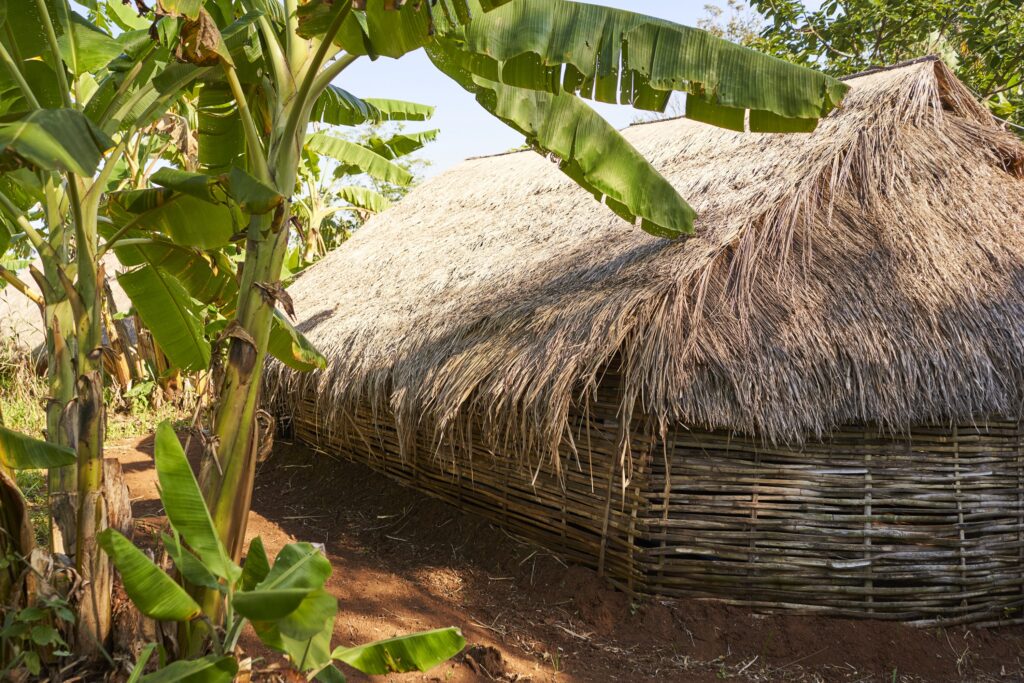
<point>588,520</point>
<point>928,528</point>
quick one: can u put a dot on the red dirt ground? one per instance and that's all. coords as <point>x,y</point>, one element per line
<point>403,562</point>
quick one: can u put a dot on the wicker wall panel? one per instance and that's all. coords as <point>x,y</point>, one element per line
<point>927,528</point>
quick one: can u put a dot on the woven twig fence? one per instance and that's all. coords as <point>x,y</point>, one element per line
<point>926,528</point>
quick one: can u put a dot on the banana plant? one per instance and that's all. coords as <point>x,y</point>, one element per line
<point>341,176</point>
<point>74,98</point>
<point>285,601</point>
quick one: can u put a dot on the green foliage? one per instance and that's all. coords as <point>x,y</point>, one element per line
<point>21,452</point>
<point>591,153</point>
<point>337,196</point>
<point>209,669</point>
<point>289,346</point>
<point>22,391</point>
<point>558,50</point>
<point>56,140</point>
<point>186,510</point>
<point>386,28</point>
<point>170,313</point>
<point>286,601</point>
<point>981,40</point>
<point>29,635</point>
<point>33,486</point>
<point>622,57</point>
<point>153,591</point>
<point>401,655</point>
<point>355,158</point>
<point>339,107</point>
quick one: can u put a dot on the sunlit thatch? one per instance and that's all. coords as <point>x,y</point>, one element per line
<point>868,272</point>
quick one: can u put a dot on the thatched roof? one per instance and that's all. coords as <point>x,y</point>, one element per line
<point>868,272</point>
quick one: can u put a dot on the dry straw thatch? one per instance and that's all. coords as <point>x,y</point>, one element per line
<point>812,404</point>
<point>869,272</point>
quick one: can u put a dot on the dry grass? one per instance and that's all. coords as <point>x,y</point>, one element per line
<point>868,272</point>
<point>22,391</point>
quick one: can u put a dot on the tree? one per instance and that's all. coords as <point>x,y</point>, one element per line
<point>981,40</point>
<point>736,22</point>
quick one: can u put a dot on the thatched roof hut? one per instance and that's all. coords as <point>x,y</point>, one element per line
<point>838,349</point>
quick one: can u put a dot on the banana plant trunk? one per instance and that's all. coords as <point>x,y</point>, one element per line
<point>60,421</point>
<point>93,565</point>
<point>228,471</point>
<point>227,476</point>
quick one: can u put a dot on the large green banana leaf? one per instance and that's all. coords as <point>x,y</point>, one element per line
<point>341,108</point>
<point>21,452</point>
<point>27,28</point>
<point>248,193</point>
<point>170,313</point>
<point>298,565</point>
<point>186,509</point>
<point>269,605</point>
<point>220,133</point>
<point>354,157</point>
<point>43,81</point>
<point>297,613</point>
<point>208,276</point>
<point>306,654</point>
<point>291,347</point>
<point>415,652</point>
<point>304,634</point>
<point>150,588</point>
<point>208,669</point>
<point>92,47</point>
<point>598,52</point>
<point>184,218</point>
<point>622,57</point>
<point>386,28</point>
<point>55,140</point>
<point>114,101</point>
<point>590,150</point>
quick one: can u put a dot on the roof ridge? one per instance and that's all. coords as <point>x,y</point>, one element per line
<point>892,67</point>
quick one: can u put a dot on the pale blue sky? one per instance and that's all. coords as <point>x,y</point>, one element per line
<point>466,129</point>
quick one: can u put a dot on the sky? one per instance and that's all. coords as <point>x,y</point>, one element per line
<point>466,129</point>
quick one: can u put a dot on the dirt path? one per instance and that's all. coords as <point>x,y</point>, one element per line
<point>403,562</point>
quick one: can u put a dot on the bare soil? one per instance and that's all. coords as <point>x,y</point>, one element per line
<point>403,562</point>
